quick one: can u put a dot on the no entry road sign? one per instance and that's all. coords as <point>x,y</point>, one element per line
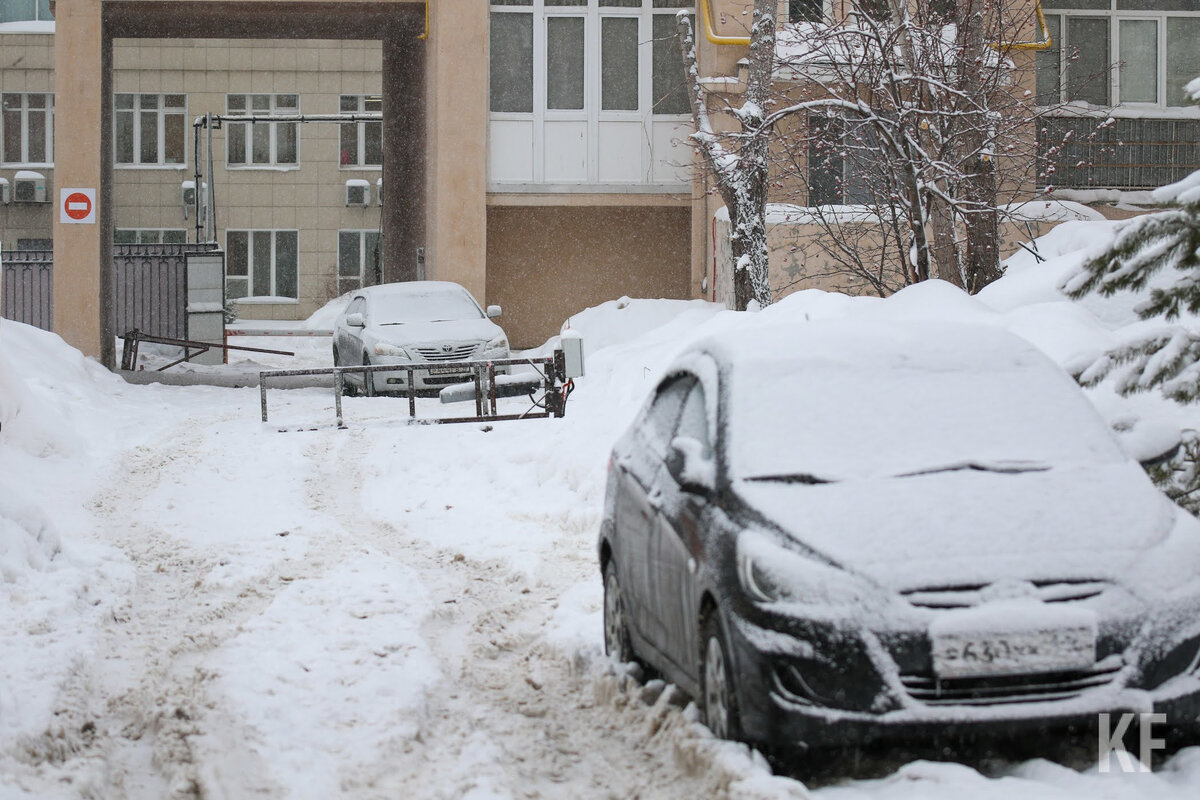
<point>77,206</point>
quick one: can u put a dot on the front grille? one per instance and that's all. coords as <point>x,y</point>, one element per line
<point>449,352</point>
<point>1002,690</point>
<point>1048,591</point>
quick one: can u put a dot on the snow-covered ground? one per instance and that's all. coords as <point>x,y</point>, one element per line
<point>195,604</point>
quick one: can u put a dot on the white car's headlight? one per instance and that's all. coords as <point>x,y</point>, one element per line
<point>385,349</point>
<point>499,343</point>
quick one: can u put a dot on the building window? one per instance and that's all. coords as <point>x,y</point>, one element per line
<point>28,123</point>
<point>150,129</point>
<point>841,155</point>
<point>805,10</point>
<point>262,143</point>
<point>358,258</point>
<point>361,142</point>
<point>1155,53</point>
<point>25,11</point>
<point>262,264</point>
<point>587,92</point>
<point>150,236</point>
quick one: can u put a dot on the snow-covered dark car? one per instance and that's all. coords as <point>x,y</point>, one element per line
<point>838,533</point>
<point>416,322</point>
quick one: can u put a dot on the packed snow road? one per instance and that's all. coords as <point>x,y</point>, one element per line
<point>196,605</point>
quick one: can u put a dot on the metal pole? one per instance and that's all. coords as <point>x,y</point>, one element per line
<point>199,178</point>
<point>337,397</point>
<point>262,392</point>
<point>210,216</point>
<point>412,394</point>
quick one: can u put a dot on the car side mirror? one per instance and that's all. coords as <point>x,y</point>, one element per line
<point>356,320</point>
<point>1149,442</point>
<point>696,472</point>
<point>494,311</point>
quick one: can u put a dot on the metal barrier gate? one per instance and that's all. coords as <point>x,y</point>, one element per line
<point>551,378</point>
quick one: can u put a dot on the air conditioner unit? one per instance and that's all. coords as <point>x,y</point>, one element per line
<point>29,187</point>
<point>5,192</point>
<point>379,190</point>
<point>358,192</point>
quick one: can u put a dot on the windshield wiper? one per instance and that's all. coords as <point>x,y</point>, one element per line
<point>1000,467</point>
<point>793,477</point>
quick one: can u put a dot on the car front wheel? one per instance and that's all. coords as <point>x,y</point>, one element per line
<point>717,696</point>
<point>616,629</point>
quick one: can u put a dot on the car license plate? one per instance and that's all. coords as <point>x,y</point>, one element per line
<point>966,655</point>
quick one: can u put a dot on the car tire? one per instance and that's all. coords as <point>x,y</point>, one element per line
<point>616,624</point>
<point>718,699</point>
<point>368,378</point>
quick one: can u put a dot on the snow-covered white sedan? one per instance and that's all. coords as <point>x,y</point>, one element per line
<point>416,322</point>
<point>847,532</point>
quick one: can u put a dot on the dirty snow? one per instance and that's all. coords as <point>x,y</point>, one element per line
<point>194,604</point>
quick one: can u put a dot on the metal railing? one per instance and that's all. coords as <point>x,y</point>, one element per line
<point>549,377</point>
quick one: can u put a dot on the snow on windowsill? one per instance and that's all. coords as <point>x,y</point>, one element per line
<point>177,167</point>
<point>27,26</point>
<point>1124,112</point>
<point>1058,209</point>
<point>265,300</point>
<point>1119,197</point>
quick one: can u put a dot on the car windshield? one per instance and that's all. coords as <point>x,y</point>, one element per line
<point>431,305</point>
<point>818,423</point>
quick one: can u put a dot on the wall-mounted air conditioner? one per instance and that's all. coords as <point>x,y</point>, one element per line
<point>29,187</point>
<point>5,192</point>
<point>358,192</point>
<point>379,190</point>
<point>187,196</point>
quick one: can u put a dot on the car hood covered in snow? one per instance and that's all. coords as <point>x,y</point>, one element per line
<point>453,330</point>
<point>973,527</point>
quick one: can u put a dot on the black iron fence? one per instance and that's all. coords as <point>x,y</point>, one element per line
<point>1131,153</point>
<point>27,287</point>
<point>149,287</point>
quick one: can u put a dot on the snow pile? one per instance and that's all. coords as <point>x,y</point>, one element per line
<point>55,416</point>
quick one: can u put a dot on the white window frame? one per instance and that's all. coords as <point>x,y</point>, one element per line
<point>361,131</point>
<point>162,112</point>
<point>591,114</point>
<point>363,258</point>
<point>37,15</point>
<point>272,162</point>
<point>1115,18</point>
<point>24,111</point>
<point>272,267</point>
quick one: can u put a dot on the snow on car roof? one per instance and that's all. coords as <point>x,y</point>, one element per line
<point>857,399</point>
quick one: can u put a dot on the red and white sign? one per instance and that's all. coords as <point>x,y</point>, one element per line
<point>77,206</point>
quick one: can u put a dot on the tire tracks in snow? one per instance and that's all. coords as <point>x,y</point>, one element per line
<point>126,716</point>
<point>516,717</point>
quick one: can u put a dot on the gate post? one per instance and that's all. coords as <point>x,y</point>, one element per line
<point>82,59</point>
<point>206,303</point>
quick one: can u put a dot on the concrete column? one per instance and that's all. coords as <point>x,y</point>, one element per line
<point>457,81</point>
<point>82,60</point>
<point>404,161</point>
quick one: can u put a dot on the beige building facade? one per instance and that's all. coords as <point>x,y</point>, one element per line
<point>533,150</point>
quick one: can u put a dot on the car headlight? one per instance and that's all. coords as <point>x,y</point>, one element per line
<point>771,573</point>
<point>499,343</point>
<point>385,349</point>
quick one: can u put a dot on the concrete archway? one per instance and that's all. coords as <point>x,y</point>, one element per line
<point>449,224</point>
